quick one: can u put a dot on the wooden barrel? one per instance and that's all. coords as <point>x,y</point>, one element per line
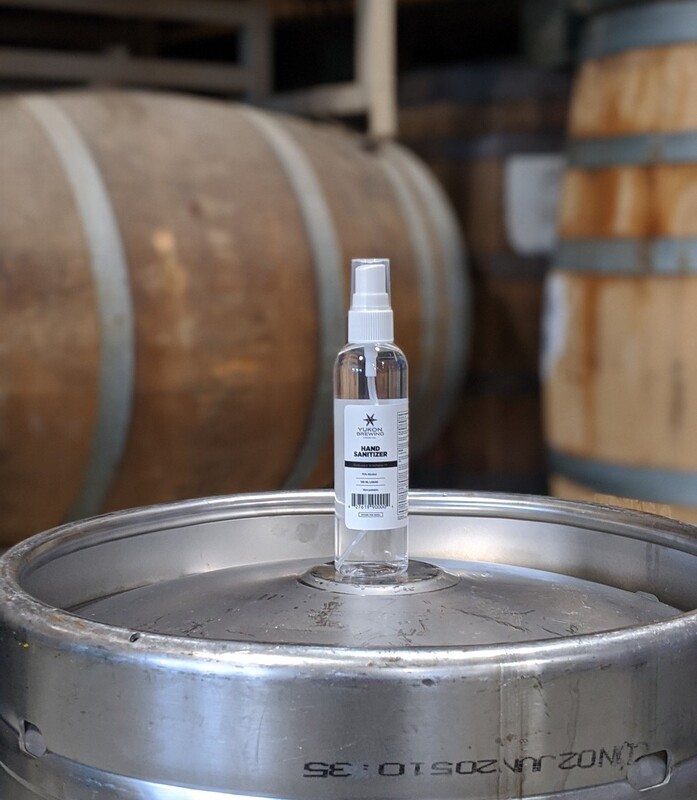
<point>620,366</point>
<point>173,283</point>
<point>493,135</point>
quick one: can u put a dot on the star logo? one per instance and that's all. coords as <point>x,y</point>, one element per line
<point>370,419</point>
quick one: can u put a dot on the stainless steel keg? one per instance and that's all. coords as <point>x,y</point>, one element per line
<point>205,650</point>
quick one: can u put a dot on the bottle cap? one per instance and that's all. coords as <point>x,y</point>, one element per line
<point>370,317</point>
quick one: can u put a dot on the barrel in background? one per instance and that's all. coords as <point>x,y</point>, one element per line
<point>173,280</point>
<point>620,367</point>
<point>493,135</point>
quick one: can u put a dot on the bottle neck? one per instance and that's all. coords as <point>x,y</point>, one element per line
<point>366,326</point>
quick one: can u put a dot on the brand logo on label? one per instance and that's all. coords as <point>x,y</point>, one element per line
<point>370,419</point>
<point>367,431</point>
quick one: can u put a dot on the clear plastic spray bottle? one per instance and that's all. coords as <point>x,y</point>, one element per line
<point>371,433</point>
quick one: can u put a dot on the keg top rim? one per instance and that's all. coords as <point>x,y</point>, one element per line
<point>20,610</point>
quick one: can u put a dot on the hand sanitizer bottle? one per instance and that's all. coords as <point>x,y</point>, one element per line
<point>371,433</point>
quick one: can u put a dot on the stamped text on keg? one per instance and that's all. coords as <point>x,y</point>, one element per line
<point>618,756</point>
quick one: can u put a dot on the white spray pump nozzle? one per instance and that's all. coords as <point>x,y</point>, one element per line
<point>370,317</point>
<point>370,288</point>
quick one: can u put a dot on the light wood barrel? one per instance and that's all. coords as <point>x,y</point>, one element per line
<point>620,366</point>
<point>173,283</point>
<point>486,131</point>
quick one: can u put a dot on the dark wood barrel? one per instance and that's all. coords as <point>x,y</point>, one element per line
<point>493,134</point>
<point>173,283</point>
<point>620,369</point>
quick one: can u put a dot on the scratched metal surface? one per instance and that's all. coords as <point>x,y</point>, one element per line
<point>486,604</point>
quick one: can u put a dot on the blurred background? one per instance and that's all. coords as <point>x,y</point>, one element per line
<point>184,182</point>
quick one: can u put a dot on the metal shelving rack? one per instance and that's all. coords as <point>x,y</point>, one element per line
<point>372,91</point>
<point>251,76</point>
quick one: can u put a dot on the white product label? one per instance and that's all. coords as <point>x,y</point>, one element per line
<point>376,465</point>
<point>532,183</point>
